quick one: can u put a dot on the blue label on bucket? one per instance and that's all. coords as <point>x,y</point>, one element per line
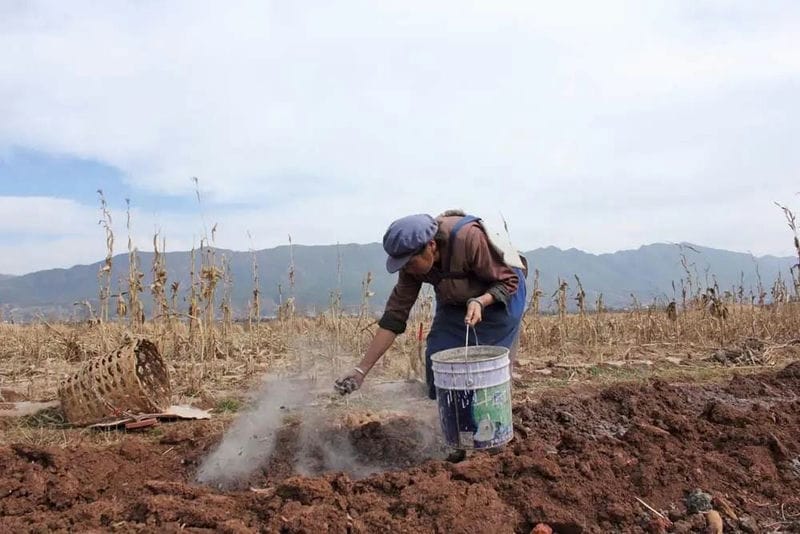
<point>476,419</point>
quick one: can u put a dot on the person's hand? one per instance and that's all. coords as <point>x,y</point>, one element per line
<point>474,312</point>
<point>349,383</point>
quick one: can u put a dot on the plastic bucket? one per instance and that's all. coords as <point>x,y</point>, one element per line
<point>473,390</point>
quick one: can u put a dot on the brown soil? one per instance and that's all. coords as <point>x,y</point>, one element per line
<point>578,464</point>
<point>359,446</point>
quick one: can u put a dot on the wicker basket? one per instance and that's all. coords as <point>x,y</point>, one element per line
<point>130,380</point>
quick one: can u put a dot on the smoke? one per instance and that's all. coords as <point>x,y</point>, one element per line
<point>329,437</point>
<point>250,442</point>
<point>322,449</point>
<point>373,443</point>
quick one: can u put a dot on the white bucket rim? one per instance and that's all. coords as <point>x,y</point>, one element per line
<point>474,354</point>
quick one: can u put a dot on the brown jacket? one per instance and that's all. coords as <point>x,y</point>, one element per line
<point>476,267</point>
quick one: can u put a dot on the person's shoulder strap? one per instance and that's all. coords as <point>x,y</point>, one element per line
<point>465,220</point>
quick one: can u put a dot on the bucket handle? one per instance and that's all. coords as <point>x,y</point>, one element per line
<point>470,381</point>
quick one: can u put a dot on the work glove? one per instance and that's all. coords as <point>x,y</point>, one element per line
<point>349,382</point>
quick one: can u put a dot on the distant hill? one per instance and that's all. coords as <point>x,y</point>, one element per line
<point>647,273</point>
<point>6,276</point>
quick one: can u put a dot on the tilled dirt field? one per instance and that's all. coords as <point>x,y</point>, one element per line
<point>581,461</point>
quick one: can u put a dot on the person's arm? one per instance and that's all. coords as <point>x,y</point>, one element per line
<point>487,265</point>
<point>398,306</point>
<point>475,308</point>
<point>380,343</point>
<point>392,323</point>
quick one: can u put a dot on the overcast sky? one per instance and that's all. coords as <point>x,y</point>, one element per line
<point>596,125</point>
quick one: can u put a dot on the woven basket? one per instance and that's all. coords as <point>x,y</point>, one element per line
<point>130,380</point>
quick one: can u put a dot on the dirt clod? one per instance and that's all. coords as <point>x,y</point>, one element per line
<point>725,507</point>
<point>31,454</point>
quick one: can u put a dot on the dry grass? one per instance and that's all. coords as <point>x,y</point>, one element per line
<point>209,359</point>
<point>577,350</point>
<point>35,358</point>
<point>599,336</point>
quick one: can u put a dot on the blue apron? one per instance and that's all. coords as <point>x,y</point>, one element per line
<point>499,325</point>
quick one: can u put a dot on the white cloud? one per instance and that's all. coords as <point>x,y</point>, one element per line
<point>44,216</point>
<point>332,118</point>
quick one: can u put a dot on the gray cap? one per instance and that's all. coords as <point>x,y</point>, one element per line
<point>405,237</point>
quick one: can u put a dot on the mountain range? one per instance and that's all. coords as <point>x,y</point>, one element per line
<point>320,272</point>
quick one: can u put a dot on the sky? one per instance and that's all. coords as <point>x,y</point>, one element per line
<point>596,125</point>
